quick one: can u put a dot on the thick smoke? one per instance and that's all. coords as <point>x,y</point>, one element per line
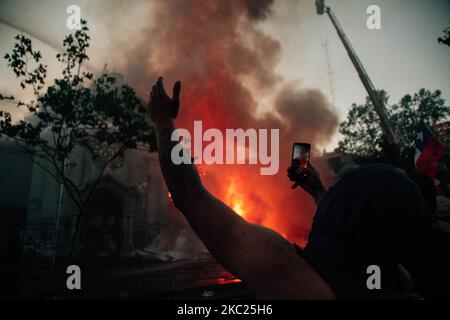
<point>258,9</point>
<point>227,67</point>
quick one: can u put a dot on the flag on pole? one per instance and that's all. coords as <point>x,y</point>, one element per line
<point>428,151</point>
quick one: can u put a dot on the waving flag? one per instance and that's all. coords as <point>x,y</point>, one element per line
<point>428,151</point>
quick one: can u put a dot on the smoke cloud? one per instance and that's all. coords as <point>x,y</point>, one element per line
<point>258,9</point>
<point>227,67</point>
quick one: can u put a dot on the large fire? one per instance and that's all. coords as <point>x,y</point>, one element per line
<point>265,200</point>
<point>227,66</point>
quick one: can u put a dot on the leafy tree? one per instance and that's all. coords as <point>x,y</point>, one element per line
<point>361,132</point>
<point>75,113</point>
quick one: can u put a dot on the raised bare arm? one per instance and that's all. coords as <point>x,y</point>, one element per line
<point>259,256</point>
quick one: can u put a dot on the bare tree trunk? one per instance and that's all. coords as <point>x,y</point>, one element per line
<point>77,239</point>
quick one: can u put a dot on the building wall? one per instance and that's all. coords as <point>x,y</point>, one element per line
<point>137,181</point>
<point>15,176</point>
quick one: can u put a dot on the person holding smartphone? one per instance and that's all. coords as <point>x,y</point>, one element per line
<point>360,221</point>
<point>303,174</point>
<point>259,256</point>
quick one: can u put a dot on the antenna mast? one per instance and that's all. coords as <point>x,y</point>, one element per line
<point>329,71</point>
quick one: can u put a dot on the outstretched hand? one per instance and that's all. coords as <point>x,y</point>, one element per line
<point>164,109</point>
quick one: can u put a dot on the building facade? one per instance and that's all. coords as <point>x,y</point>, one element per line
<point>127,210</point>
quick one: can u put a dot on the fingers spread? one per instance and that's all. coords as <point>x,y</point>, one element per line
<point>155,92</point>
<point>160,86</point>
<point>176,92</point>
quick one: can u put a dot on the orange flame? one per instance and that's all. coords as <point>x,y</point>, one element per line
<point>234,199</point>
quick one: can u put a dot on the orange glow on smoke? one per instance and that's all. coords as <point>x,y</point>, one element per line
<point>227,66</point>
<point>264,200</point>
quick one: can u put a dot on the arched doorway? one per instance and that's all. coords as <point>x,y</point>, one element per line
<point>102,228</point>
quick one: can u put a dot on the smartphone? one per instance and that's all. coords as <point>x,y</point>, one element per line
<point>301,153</point>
